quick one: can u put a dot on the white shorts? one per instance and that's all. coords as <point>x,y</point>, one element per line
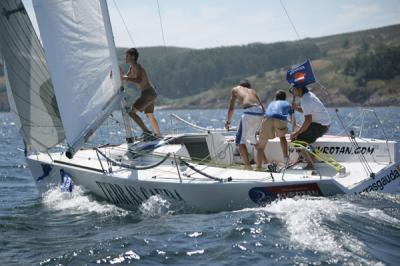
<point>249,125</point>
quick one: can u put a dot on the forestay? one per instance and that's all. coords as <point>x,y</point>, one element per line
<point>81,55</point>
<point>29,86</point>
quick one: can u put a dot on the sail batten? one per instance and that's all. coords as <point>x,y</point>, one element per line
<point>29,87</point>
<point>81,56</point>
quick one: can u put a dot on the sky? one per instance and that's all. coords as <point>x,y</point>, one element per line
<point>215,23</point>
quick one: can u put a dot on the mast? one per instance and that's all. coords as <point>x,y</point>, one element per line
<point>110,38</point>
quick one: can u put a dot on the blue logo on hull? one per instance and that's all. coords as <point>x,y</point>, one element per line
<point>66,184</point>
<point>265,195</point>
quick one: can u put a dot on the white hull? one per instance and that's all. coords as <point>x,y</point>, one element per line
<point>129,188</point>
<point>87,90</point>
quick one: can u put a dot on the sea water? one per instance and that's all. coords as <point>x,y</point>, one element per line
<point>76,229</point>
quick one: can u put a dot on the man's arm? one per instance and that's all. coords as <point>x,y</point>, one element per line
<point>137,74</point>
<point>304,126</point>
<point>231,109</point>
<point>121,74</point>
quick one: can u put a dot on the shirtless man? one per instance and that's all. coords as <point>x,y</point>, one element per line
<point>251,118</point>
<point>145,103</point>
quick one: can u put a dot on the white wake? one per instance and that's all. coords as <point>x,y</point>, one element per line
<point>79,202</point>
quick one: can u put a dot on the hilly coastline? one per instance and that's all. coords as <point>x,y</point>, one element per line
<point>353,69</point>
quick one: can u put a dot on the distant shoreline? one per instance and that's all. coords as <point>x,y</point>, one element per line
<point>348,64</point>
<point>169,107</point>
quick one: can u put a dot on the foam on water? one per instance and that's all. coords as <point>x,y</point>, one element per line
<point>129,255</point>
<point>195,252</point>
<point>395,198</point>
<point>304,221</point>
<point>78,202</point>
<point>156,206</point>
<point>308,220</point>
<point>382,217</point>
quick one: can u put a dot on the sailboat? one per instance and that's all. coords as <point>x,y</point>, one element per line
<point>199,170</point>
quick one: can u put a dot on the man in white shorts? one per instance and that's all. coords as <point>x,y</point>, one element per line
<point>251,118</point>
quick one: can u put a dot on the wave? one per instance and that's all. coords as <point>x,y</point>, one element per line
<point>394,198</point>
<point>79,202</point>
<point>156,206</point>
<point>321,225</point>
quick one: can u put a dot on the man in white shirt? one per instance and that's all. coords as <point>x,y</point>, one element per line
<point>316,119</point>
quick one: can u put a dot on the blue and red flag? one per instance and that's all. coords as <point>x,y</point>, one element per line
<point>301,75</point>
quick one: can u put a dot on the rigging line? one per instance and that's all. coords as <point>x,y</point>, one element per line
<point>144,152</point>
<point>221,180</point>
<point>291,22</point>
<point>384,134</point>
<point>160,169</point>
<point>350,124</point>
<point>123,21</point>
<point>355,145</point>
<point>300,40</point>
<point>134,167</point>
<point>364,162</point>
<point>361,156</point>
<point>196,160</point>
<point>162,28</point>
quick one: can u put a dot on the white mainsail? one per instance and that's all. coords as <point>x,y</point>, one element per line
<point>29,86</point>
<point>81,55</point>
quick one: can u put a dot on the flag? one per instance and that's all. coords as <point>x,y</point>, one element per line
<point>301,75</point>
<point>66,184</point>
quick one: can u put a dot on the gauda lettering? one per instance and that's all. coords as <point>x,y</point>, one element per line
<point>383,181</point>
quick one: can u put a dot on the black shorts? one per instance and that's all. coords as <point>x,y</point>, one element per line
<point>145,103</point>
<point>314,131</point>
